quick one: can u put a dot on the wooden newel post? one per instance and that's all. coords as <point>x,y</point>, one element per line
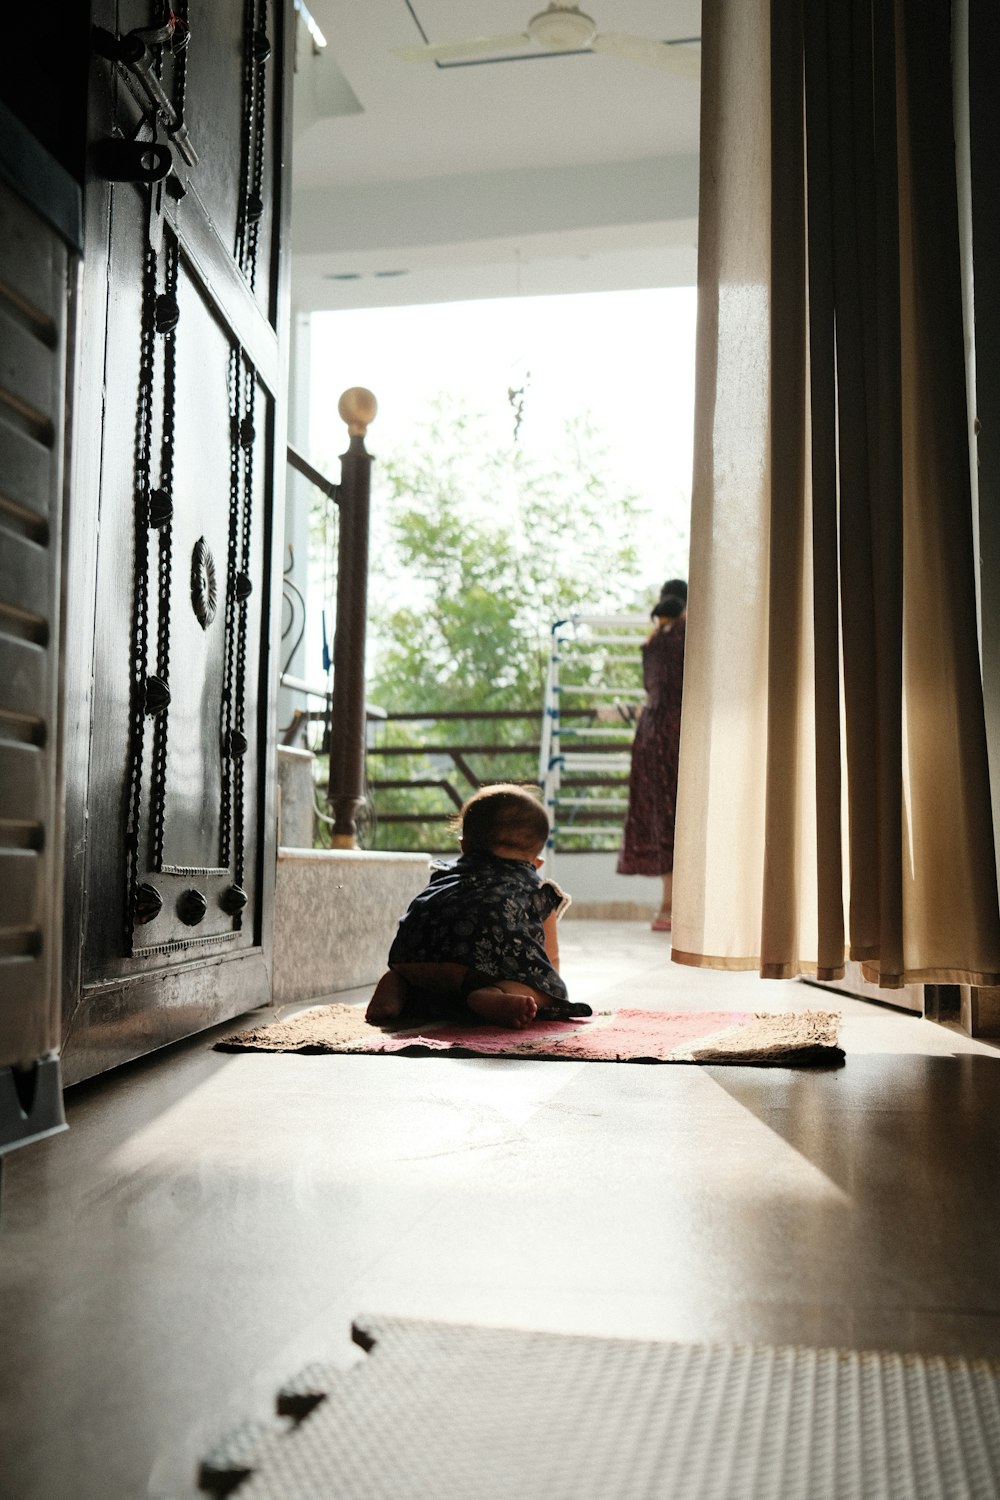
<point>346,790</point>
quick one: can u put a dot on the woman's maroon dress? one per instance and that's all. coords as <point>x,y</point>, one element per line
<point>648,842</point>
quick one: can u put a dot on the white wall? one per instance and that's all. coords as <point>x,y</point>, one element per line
<point>298,498</point>
<point>591,879</point>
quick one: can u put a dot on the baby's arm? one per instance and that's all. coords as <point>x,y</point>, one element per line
<point>551,932</point>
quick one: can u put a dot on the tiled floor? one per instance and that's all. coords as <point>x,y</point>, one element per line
<point>212,1221</point>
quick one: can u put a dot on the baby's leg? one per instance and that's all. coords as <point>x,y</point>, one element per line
<point>388,999</point>
<point>413,987</point>
<point>506,1002</point>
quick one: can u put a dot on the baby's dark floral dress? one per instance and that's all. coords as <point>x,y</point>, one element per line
<point>486,912</point>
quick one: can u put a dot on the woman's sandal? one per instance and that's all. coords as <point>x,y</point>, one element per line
<point>661,923</point>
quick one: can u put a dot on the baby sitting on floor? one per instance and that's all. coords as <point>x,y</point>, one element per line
<point>480,940</point>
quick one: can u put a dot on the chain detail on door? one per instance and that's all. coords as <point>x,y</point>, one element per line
<point>143,901</point>
<point>242,405</point>
<point>167,316</point>
<point>256,51</point>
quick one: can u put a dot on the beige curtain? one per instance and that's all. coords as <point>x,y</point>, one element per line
<point>834,794</point>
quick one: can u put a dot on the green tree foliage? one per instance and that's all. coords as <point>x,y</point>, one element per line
<point>477,549</point>
<point>485,546</point>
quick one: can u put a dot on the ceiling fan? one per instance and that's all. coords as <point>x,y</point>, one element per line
<point>565,28</point>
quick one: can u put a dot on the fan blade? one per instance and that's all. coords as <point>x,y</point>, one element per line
<point>681,59</point>
<point>444,51</point>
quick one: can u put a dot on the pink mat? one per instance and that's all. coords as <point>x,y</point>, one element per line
<point>614,1036</point>
<point>622,1033</point>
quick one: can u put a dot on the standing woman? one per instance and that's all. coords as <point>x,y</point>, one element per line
<point>648,842</point>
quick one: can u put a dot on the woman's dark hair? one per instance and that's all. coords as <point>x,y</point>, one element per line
<point>504,814</point>
<point>672,601</point>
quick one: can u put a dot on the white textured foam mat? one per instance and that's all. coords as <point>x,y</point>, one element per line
<point>441,1411</point>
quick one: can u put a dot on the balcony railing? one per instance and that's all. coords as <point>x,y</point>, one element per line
<point>579,757</point>
<point>456,765</point>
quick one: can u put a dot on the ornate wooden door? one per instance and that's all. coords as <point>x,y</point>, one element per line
<point>174,506</point>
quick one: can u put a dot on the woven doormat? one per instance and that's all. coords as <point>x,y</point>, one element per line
<point>463,1413</point>
<point>799,1037</point>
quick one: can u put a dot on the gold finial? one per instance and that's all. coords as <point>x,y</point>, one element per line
<point>357,407</point>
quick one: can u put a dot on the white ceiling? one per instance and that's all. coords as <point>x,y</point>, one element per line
<point>424,183</point>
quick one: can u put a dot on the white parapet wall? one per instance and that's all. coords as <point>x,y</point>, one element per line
<point>599,892</point>
<point>296,797</point>
<point>335,914</point>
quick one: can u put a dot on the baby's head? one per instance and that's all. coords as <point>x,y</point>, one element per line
<point>504,819</point>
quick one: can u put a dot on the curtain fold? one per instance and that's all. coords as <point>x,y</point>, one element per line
<point>834,795</point>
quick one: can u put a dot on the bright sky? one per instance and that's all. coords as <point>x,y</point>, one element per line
<point>626,357</point>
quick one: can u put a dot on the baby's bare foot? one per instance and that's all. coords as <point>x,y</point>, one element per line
<point>503,1008</point>
<point>386,1003</point>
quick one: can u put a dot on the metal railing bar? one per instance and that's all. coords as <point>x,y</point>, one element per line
<point>430,716</point>
<point>399,786</point>
<point>603,733</point>
<point>590,641</point>
<point>373,714</point>
<point>299,685</point>
<point>602,802</point>
<point>461,764</point>
<point>301,464</point>
<point>520,749</point>
<point>592,692</point>
<point>585,829</point>
<point>385,817</point>
<point>577,781</point>
<point>606,622</point>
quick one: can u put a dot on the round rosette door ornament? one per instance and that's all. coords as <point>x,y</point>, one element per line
<point>204,586</point>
